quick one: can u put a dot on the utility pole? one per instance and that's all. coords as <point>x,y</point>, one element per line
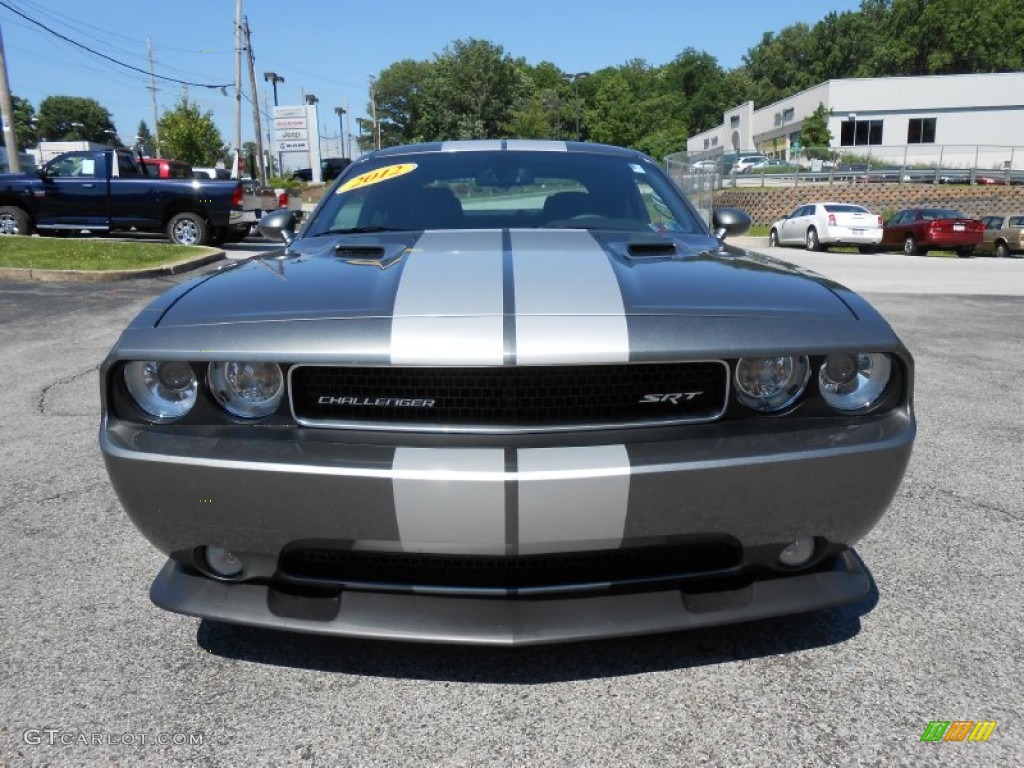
<point>7,111</point>
<point>270,156</point>
<point>152,92</point>
<point>238,78</point>
<point>373,109</point>
<point>255,106</point>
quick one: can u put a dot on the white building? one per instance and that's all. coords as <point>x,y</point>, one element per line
<point>967,120</point>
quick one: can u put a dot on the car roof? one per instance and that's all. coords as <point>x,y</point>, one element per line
<point>537,145</point>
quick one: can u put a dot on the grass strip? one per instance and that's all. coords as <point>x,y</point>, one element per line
<point>75,253</point>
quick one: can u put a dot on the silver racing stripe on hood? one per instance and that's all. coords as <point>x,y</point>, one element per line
<point>568,301</point>
<point>449,301</point>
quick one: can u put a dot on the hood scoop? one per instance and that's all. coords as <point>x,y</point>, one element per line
<point>375,255</point>
<point>643,250</point>
<point>649,250</point>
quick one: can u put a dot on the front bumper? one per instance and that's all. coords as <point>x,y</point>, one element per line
<point>508,622</point>
<point>260,494</point>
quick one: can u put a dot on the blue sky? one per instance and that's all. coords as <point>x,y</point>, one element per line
<point>330,48</point>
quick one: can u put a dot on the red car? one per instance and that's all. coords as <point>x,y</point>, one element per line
<point>167,169</point>
<point>918,230</point>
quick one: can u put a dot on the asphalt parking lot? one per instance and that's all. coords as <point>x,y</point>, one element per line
<point>93,674</point>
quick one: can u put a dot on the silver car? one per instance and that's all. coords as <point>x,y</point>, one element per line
<point>506,392</point>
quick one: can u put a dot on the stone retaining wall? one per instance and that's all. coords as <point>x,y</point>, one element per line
<point>767,205</point>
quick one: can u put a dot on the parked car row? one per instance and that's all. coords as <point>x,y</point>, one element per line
<point>915,231</point>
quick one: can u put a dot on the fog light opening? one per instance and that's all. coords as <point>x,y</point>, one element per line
<point>798,553</point>
<point>222,563</point>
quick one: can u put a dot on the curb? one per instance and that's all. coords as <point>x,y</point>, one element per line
<point>748,242</point>
<point>110,275</point>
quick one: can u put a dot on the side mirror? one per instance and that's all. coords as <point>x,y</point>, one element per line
<point>729,221</point>
<point>279,225</point>
<point>41,172</point>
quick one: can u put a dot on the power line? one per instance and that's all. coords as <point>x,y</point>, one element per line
<point>94,52</point>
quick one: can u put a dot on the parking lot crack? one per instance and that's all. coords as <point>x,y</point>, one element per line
<point>45,391</point>
<point>1009,514</point>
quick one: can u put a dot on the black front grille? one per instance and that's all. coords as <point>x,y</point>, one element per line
<point>703,556</point>
<point>523,397</point>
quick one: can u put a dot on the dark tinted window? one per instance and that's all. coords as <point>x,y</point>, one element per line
<point>498,189</point>
<point>921,130</point>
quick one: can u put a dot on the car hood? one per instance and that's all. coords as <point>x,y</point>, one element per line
<point>501,296</point>
<point>463,273</point>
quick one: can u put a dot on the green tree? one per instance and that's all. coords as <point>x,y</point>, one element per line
<point>190,135</point>
<point>545,108</point>
<point>701,82</point>
<point>399,91</point>
<point>471,91</point>
<point>24,131</point>
<point>69,118</point>
<point>815,137</point>
<point>144,139</point>
<point>664,141</point>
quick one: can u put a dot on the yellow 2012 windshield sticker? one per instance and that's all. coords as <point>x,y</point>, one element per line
<point>377,176</point>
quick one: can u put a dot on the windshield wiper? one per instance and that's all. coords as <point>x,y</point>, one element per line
<point>363,230</point>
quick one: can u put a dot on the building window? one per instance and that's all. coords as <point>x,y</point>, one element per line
<point>707,143</point>
<point>921,130</point>
<point>787,114</point>
<point>860,132</point>
<point>734,121</point>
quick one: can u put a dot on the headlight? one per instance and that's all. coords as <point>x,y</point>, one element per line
<point>769,384</point>
<point>854,382</point>
<point>163,389</point>
<point>249,390</point>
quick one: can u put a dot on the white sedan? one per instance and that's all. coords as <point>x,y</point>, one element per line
<point>818,225</point>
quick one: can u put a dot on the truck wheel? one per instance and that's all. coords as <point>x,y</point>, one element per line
<point>14,221</point>
<point>188,229</point>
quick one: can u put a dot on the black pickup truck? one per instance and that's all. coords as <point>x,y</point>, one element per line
<point>108,190</point>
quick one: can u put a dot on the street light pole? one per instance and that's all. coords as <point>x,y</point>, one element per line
<point>274,79</point>
<point>575,78</point>
<point>340,112</point>
<point>314,157</point>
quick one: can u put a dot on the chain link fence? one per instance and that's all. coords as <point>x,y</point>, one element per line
<point>699,174</point>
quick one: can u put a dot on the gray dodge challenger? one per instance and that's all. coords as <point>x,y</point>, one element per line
<point>506,392</point>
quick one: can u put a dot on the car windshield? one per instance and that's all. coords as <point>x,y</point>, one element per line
<point>845,209</point>
<point>498,189</point>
